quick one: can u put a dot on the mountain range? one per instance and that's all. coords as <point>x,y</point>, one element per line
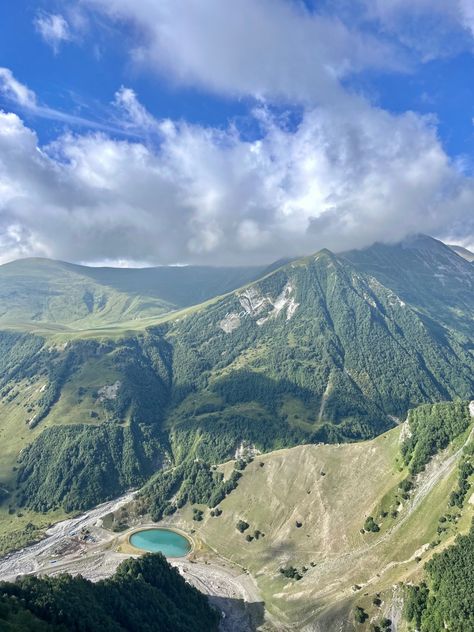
<point>110,376</point>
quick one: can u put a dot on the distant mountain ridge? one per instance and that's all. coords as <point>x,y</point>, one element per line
<point>425,273</point>
<point>325,348</point>
<point>126,383</point>
<point>67,295</point>
<point>56,292</point>
<point>319,349</point>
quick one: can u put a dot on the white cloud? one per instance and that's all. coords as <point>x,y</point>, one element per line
<point>134,115</point>
<point>133,120</point>
<point>467,14</point>
<point>16,91</point>
<point>264,48</point>
<point>345,177</point>
<point>432,28</point>
<point>54,29</point>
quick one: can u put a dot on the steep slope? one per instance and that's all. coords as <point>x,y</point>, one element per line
<point>427,274</point>
<point>445,601</point>
<point>59,293</point>
<point>305,509</point>
<point>313,352</point>
<point>316,351</point>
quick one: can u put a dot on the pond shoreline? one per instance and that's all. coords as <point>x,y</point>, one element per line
<point>175,530</point>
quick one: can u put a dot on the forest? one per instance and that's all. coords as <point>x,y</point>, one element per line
<point>144,595</point>
<point>445,601</point>
<point>433,427</point>
<point>189,389</point>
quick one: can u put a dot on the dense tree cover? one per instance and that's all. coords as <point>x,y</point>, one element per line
<point>426,274</point>
<point>78,466</point>
<point>432,427</point>
<point>348,338</point>
<point>144,595</point>
<point>446,601</point>
<point>334,369</point>
<point>465,473</point>
<point>144,365</point>
<point>191,481</point>
<point>17,353</point>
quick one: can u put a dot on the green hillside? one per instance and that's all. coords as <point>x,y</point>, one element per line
<point>301,521</point>
<point>43,291</point>
<point>315,351</point>
<point>427,274</point>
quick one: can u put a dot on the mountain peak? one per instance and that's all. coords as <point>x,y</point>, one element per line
<point>422,242</point>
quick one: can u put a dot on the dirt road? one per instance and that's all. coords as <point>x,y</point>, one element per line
<point>64,550</point>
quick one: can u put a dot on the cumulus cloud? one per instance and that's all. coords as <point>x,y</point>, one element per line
<point>264,48</point>
<point>54,29</point>
<point>345,175</point>
<point>343,178</point>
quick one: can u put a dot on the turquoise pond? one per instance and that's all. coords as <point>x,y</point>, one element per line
<point>168,542</point>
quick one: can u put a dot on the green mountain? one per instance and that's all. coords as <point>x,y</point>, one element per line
<point>314,351</point>
<point>427,274</point>
<point>56,293</point>
<point>321,350</point>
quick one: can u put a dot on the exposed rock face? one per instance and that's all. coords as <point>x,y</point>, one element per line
<point>109,391</point>
<point>253,302</point>
<point>261,307</point>
<point>230,322</point>
<point>284,299</point>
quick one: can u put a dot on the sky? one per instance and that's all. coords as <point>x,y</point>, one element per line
<point>232,132</point>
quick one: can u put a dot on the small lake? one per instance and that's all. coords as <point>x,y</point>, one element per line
<point>166,541</point>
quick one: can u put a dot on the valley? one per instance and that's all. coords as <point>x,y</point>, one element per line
<point>309,429</point>
<point>309,504</point>
<point>236,316</point>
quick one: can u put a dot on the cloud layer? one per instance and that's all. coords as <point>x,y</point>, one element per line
<point>54,29</point>
<point>344,175</point>
<point>272,49</point>
<point>339,179</point>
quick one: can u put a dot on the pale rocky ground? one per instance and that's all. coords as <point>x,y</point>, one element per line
<point>63,550</point>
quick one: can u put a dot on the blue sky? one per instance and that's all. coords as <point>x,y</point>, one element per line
<point>206,131</point>
<point>83,76</point>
